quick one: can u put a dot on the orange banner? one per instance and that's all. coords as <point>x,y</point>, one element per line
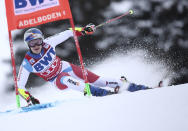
<point>28,13</point>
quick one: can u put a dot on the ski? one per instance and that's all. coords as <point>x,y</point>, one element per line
<point>32,108</point>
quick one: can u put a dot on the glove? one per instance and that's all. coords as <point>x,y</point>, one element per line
<point>28,97</point>
<point>32,101</point>
<point>88,29</point>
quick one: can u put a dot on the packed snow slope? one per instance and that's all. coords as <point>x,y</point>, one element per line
<point>160,109</point>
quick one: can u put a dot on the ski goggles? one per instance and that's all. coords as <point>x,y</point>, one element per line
<point>35,42</point>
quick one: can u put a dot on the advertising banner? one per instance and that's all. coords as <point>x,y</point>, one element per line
<point>28,13</point>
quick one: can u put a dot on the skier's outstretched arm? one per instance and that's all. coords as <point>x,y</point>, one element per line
<point>63,36</point>
<point>23,75</point>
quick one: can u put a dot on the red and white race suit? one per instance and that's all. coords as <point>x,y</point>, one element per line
<point>61,73</point>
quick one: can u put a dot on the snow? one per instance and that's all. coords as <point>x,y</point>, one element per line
<point>164,109</point>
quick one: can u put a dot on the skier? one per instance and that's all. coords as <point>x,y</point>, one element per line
<point>41,60</point>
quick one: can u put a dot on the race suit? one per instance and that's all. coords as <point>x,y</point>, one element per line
<point>61,73</point>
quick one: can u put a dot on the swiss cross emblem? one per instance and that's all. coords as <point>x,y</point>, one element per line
<point>32,61</point>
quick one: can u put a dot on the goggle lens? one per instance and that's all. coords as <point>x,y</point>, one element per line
<point>35,42</point>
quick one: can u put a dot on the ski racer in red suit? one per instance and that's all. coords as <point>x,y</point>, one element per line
<point>41,60</point>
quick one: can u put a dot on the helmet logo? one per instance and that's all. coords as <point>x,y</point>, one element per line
<point>32,34</point>
<point>31,37</point>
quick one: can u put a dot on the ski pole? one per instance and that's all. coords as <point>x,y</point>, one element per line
<point>116,18</point>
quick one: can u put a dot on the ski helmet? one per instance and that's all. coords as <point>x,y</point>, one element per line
<point>32,34</point>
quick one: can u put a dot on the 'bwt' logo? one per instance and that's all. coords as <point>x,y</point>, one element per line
<point>24,3</point>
